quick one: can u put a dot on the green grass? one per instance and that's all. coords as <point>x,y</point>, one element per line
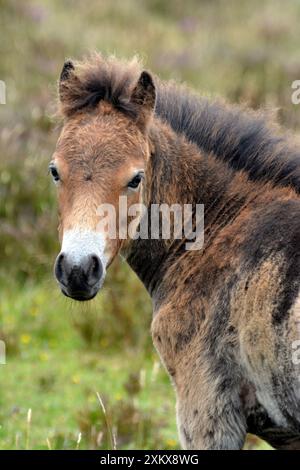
<point>52,371</point>
<point>60,354</point>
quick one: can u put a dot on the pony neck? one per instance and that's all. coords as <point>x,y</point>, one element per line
<point>178,172</point>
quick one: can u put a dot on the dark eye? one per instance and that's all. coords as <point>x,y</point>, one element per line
<point>134,183</point>
<point>54,172</point>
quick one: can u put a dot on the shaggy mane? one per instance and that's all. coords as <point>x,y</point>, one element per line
<point>242,138</point>
<point>97,79</point>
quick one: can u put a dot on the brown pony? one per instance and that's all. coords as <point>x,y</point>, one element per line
<point>225,317</point>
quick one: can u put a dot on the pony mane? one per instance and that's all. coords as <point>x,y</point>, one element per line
<point>95,79</point>
<point>242,138</point>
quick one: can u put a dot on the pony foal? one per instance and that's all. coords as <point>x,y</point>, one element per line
<point>226,316</point>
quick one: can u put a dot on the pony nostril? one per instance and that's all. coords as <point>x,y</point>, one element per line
<point>95,264</point>
<point>58,268</point>
<point>94,270</point>
<point>96,267</point>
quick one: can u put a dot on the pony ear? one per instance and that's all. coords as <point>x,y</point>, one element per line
<point>65,74</point>
<point>143,98</point>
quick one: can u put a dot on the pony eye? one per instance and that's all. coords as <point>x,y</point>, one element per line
<point>135,182</point>
<point>54,173</point>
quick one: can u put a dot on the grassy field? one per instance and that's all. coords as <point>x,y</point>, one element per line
<point>56,373</point>
<point>61,355</point>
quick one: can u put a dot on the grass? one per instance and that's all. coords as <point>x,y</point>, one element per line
<point>60,355</point>
<point>53,372</point>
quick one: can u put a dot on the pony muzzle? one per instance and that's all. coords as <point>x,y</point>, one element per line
<point>80,266</point>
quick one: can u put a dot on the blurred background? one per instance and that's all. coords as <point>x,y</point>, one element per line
<point>60,354</point>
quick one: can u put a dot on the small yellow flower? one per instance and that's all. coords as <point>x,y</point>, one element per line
<point>75,379</point>
<point>25,338</point>
<point>171,442</point>
<point>44,357</point>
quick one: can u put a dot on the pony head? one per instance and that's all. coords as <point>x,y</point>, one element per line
<point>101,154</point>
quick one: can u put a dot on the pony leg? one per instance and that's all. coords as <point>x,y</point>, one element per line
<point>209,410</point>
<point>207,420</point>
